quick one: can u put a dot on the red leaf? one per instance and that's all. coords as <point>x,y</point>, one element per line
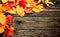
<point>9,19</point>
<point>10,31</point>
<point>0,25</point>
<point>22,3</point>
<point>11,3</point>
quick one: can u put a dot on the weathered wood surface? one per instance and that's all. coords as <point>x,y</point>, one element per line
<point>44,24</point>
<point>33,26</point>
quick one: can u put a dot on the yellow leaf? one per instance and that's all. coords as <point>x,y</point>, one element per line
<point>20,11</point>
<point>30,2</point>
<point>12,0</point>
<point>2,18</point>
<point>4,1</point>
<point>1,29</point>
<point>0,5</point>
<point>48,5</point>
<point>43,1</point>
<point>12,11</point>
<point>28,5</point>
<point>38,8</point>
<point>39,1</point>
<point>51,3</point>
<point>47,2</point>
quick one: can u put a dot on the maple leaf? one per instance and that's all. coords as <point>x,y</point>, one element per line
<point>2,28</point>
<point>0,7</point>
<point>28,10</point>
<point>12,0</point>
<point>11,3</point>
<point>5,8</point>
<point>22,3</point>
<point>39,1</point>
<point>2,18</point>
<point>31,3</point>
<point>4,1</point>
<point>38,8</point>
<point>10,31</point>
<point>9,19</point>
<point>47,2</point>
<point>12,11</point>
<point>20,11</point>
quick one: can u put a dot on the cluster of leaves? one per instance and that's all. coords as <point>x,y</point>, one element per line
<point>4,25</point>
<point>19,7</point>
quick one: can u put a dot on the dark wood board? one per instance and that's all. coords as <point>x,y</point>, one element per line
<point>43,24</point>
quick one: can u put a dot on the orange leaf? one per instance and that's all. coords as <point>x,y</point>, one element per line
<point>10,31</point>
<point>5,8</point>
<point>1,28</point>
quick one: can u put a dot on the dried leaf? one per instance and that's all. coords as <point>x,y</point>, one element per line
<point>38,8</point>
<point>4,1</point>
<point>2,29</point>
<point>11,3</point>
<point>12,11</point>
<point>10,31</point>
<point>20,11</point>
<point>28,10</point>
<point>22,3</point>
<point>2,18</point>
<point>5,8</point>
<point>47,2</point>
<point>9,19</point>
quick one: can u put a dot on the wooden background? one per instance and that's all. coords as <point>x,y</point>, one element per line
<point>44,24</point>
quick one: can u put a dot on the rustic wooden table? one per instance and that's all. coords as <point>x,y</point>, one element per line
<point>44,24</point>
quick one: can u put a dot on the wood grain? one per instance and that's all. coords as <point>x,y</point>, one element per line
<point>35,33</point>
<point>43,24</point>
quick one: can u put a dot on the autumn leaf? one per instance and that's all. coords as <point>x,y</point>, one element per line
<point>12,11</point>
<point>2,18</point>
<point>5,8</point>
<point>10,31</point>
<point>31,3</point>
<point>39,1</point>
<point>11,3</point>
<point>28,10</point>
<point>38,8</point>
<point>47,2</point>
<point>9,19</point>
<point>0,7</point>
<point>22,3</point>
<point>12,0</point>
<point>4,1</point>
<point>2,29</point>
<point>20,11</point>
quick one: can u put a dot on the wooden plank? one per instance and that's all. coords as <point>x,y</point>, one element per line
<point>57,10</point>
<point>36,22</point>
<point>44,14</point>
<point>27,19</point>
<point>35,25</point>
<point>35,33</point>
